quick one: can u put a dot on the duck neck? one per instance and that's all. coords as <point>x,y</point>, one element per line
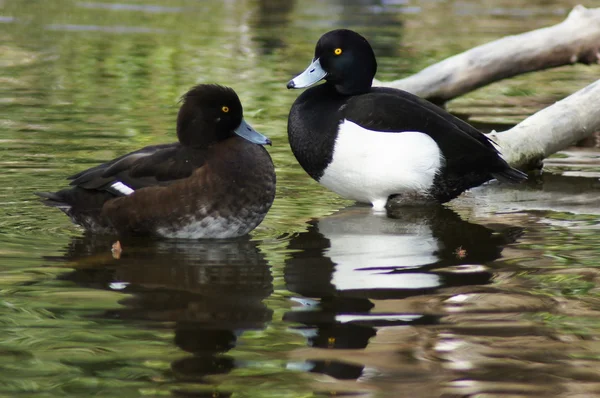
<point>197,133</point>
<point>357,83</point>
<point>346,89</point>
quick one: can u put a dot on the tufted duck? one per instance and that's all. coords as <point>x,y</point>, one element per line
<point>216,182</point>
<point>374,144</point>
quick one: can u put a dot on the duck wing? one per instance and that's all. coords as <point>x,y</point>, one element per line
<point>149,166</point>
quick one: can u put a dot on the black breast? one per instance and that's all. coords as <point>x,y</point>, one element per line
<point>312,128</point>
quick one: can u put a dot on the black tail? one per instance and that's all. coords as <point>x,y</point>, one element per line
<point>83,206</point>
<point>510,175</point>
<point>79,198</point>
<point>53,199</point>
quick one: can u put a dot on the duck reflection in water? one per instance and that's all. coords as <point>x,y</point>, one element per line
<point>211,290</point>
<point>346,263</point>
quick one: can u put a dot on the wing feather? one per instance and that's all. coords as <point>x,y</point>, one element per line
<point>149,166</point>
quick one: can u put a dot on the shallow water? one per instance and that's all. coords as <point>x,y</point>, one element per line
<point>493,296</point>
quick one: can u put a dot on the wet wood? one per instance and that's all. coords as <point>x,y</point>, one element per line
<point>575,40</point>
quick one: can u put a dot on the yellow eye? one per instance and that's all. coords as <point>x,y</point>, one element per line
<point>337,51</point>
<point>225,109</point>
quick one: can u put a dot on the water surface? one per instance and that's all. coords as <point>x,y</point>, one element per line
<point>493,296</point>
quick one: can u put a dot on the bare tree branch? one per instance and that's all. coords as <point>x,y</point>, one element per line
<point>552,129</point>
<point>576,39</point>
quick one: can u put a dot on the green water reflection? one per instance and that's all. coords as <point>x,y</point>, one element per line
<point>279,314</point>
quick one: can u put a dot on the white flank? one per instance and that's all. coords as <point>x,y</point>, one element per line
<point>122,188</point>
<point>368,166</point>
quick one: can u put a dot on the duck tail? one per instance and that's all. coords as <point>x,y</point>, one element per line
<point>53,199</point>
<point>82,206</point>
<point>510,175</point>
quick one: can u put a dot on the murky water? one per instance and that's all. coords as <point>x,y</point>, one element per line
<point>493,296</point>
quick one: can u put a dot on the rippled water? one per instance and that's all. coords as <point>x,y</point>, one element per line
<point>493,296</point>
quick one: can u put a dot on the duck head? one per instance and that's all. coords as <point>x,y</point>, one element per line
<point>211,113</point>
<point>344,59</point>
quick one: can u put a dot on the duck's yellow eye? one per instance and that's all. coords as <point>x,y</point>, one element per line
<point>225,109</point>
<point>337,51</point>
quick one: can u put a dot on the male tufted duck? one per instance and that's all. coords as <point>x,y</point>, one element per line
<point>371,144</point>
<point>216,182</point>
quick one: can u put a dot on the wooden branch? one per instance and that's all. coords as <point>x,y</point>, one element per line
<point>551,129</point>
<point>576,39</point>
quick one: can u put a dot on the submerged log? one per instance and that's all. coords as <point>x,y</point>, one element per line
<point>575,40</point>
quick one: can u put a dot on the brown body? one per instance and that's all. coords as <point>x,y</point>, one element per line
<point>236,185</point>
